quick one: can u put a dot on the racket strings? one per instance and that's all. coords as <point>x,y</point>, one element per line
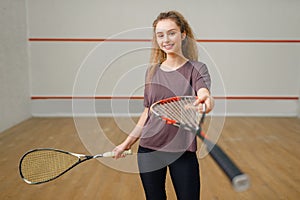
<point>44,165</point>
<point>170,111</point>
<point>190,114</point>
<point>182,111</point>
<point>167,111</point>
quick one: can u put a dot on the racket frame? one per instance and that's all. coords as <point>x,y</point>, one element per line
<point>239,180</point>
<point>81,158</point>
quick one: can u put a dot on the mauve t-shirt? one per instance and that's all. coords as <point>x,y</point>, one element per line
<point>184,81</point>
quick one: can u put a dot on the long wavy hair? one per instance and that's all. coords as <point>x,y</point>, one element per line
<point>189,46</point>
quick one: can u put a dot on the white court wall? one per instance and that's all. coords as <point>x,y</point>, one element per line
<point>14,67</point>
<point>257,75</point>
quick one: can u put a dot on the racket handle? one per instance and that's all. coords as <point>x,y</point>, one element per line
<point>239,180</point>
<point>112,154</point>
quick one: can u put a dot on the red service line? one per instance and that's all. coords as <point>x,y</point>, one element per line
<point>149,40</point>
<point>257,98</point>
<point>291,98</point>
<point>85,40</point>
<point>86,97</point>
<point>249,41</point>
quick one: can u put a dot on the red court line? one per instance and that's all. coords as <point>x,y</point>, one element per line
<point>250,41</point>
<point>257,98</point>
<point>291,98</point>
<point>85,40</point>
<point>86,97</point>
<point>149,40</point>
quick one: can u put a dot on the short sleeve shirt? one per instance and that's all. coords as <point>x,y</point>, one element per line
<point>184,81</point>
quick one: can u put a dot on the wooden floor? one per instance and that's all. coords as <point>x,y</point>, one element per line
<point>267,149</point>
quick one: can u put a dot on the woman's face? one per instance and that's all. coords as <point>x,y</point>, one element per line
<point>168,36</point>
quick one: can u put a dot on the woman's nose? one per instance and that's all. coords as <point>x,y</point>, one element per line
<point>166,38</point>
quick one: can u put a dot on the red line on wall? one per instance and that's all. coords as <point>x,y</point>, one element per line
<point>87,97</point>
<point>250,41</point>
<point>256,98</point>
<point>140,97</point>
<point>85,40</point>
<point>149,40</point>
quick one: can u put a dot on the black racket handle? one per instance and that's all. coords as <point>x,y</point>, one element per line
<point>239,180</point>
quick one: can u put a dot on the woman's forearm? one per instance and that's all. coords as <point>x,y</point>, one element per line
<point>136,132</point>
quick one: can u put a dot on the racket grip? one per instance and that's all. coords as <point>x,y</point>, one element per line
<point>112,154</point>
<point>239,180</point>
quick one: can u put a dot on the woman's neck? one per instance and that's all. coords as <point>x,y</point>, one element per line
<point>174,62</point>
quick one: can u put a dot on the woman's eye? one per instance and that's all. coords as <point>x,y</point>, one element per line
<point>172,33</point>
<point>160,35</point>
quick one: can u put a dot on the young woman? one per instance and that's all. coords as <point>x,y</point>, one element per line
<point>174,71</point>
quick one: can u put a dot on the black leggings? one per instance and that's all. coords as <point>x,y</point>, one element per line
<point>184,171</point>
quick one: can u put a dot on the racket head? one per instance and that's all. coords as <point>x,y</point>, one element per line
<point>179,111</point>
<point>43,165</point>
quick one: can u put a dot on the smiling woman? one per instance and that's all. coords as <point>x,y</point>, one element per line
<point>174,71</point>
<point>171,24</point>
<point>169,36</point>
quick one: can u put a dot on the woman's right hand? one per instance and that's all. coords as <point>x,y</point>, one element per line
<point>132,137</point>
<point>119,150</point>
